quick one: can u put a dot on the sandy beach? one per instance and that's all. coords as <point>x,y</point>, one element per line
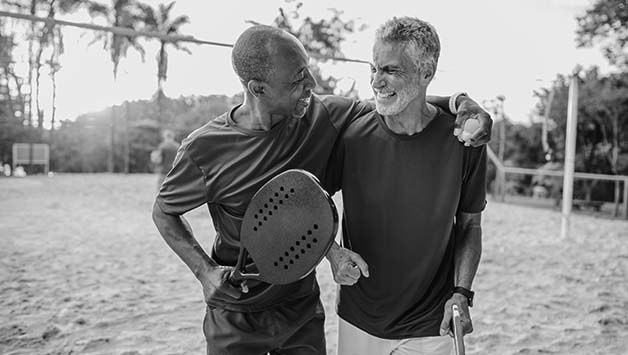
<point>84,271</point>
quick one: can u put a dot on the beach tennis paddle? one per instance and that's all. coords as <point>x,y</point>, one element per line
<point>457,329</point>
<point>288,228</point>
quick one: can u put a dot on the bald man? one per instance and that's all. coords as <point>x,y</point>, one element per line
<point>280,125</point>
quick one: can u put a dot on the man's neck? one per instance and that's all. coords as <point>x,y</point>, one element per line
<point>413,119</point>
<point>252,117</point>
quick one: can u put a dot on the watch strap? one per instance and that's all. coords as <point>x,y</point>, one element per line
<point>465,292</point>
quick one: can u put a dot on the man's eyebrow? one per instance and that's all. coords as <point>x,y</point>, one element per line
<point>385,67</point>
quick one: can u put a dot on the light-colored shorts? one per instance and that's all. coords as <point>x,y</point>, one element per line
<point>354,341</point>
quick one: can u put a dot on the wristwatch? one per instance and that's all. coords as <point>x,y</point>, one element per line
<point>465,292</point>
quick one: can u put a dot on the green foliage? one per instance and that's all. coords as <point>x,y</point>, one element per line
<point>159,20</point>
<point>83,145</point>
<point>13,125</point>
<point>606,23</point>
<point>122,13</point>
<point>323,37</point>
<point>602,133</point>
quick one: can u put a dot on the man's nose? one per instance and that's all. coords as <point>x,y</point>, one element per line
<point>310,81</point>
<point>377,80</point>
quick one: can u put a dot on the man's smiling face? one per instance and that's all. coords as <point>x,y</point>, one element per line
<point>394,77</point>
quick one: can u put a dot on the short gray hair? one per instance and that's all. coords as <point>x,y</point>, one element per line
<point>424,47</point>
<point>251,56</point>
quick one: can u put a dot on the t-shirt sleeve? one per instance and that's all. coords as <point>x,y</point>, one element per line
<point>473,194</point>
<point>333,174</point>
<point>342,111</point>
<point>184,187</point>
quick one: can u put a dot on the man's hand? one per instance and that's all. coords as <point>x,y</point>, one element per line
<point>346,265</point>
<point>467,109</point>
<point>465,318</point>
<point>216,285</point>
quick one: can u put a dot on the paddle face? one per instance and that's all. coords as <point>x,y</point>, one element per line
<point>287,229</point>
<point>458,334</point>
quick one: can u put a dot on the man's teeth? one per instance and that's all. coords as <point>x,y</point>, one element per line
<point>305,101</point>
<point>385,95</point>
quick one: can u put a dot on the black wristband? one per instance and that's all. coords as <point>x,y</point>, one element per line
<point>465,292</point>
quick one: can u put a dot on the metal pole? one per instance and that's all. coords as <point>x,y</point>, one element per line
<point>570,153</point>
<point>502,129</point>
<point>626,199</point>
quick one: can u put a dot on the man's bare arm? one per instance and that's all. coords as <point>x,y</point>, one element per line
<point>178,235</point>
<point>467,253</point>
<point>468,248</point>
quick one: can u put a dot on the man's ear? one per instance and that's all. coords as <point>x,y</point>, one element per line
<point>426,75</point>
<point>256,87</point>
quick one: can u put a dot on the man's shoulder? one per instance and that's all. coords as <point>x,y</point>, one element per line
<point>340,103</point>
<point>364,120</point>
<point>340,110</point>
<point>202,136</point>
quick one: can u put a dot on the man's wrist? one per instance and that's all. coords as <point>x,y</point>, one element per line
<point>332,250</point>
<point>466,293</point>
<point>454,101</point>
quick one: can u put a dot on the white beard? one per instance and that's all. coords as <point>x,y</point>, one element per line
<point>402,99</point>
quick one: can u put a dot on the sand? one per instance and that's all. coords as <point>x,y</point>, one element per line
<point>84,271</point>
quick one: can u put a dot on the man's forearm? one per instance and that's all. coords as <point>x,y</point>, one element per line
<point>440,101</point>
<point>178,235</point>
<point>468,251</point>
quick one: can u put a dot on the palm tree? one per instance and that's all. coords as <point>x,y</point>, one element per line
<point>158,20</point>
<point>123,13</point>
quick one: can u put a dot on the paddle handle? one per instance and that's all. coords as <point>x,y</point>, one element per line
<point>458,334</point>
<point>239,275</point>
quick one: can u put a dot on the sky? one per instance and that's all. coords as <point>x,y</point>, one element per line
<point>488,48</point>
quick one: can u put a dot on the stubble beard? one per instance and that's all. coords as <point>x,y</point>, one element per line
<point>402,99</point>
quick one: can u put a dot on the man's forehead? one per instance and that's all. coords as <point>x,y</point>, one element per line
<point>389,53</point>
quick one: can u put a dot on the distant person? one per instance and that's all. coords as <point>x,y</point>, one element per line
<point>280,125</point>
<point>413,198</point>
<point>6,169</point>
<point>164,155</point>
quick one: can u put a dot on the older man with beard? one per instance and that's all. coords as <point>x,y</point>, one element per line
<point>413,197</point>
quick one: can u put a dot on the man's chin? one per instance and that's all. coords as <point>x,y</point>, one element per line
<point>386,110</point>
<point>300,113</point>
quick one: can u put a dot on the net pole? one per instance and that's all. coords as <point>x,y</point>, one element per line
<point>570,154</point>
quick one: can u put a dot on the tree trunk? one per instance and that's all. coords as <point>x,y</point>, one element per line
<point>53,77</point>
<point>112,143</point>
<point>127,149</point>
<point>31,40</point>
<point>614,158</point>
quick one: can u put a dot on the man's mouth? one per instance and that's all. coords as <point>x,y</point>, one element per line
<point>384,94</point>
<point>305,101</point>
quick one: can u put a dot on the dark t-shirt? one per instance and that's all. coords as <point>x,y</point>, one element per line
<point>223,165</point>
<point>401,194</point>
<point>168,151</point>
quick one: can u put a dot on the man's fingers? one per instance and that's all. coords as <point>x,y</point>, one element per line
<point>444,324</point>
<point>227,287</point>
<point>353,271</point>
<point>459,123</point>
<point>465,320</point>
<point>361,264</point>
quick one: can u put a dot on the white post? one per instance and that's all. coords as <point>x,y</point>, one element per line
<point>570,153</point>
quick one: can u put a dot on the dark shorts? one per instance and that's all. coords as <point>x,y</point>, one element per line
<point>292,328</point>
